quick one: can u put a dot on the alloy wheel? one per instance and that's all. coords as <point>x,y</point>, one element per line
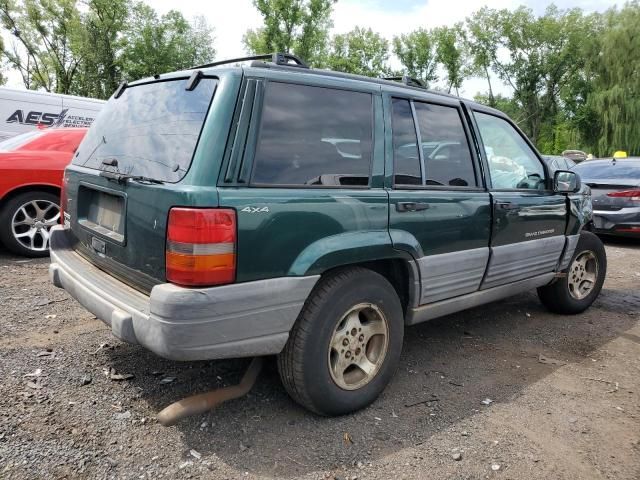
<point>583,274</point>
<point>31,223</point>
<point>358,346</point>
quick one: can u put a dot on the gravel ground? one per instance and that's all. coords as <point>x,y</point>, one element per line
<point>564,391</point>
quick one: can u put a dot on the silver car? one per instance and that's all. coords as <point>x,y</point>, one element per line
<point>615,189</point>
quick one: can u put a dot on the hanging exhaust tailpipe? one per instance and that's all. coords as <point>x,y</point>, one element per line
<point>204,402</point>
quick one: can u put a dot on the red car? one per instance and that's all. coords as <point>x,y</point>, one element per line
<point>31,169</point>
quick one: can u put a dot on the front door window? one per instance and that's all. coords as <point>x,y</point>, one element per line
<point>512,163</point>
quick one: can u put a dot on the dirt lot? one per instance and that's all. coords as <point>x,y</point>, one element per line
<point>565,391</point>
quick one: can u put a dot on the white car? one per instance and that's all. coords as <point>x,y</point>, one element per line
<point>25,110</point>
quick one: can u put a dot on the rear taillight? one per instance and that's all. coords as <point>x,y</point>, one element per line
<point>201,246</point>
<point>633,195</point>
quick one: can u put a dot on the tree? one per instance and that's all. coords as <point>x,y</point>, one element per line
<point>417,54</point>
<point>100,71</point>
<point>292,26</point>
<point>2,78</point>
<point>535,56</point>
<point>451,55</point>
<point>154,45</point>
<point>613,65</point>
<point>45,33</point>
<point>482,44</point>
<point>361,51</point>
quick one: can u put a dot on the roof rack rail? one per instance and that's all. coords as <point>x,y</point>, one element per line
<point>407,80</point>
<point>277,58</point>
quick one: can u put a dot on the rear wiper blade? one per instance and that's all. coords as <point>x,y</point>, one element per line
<point>124,177</point>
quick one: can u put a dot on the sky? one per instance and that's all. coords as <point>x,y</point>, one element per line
<point>231,19</point>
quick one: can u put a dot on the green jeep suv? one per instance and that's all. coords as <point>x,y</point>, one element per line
<point>272,209</point>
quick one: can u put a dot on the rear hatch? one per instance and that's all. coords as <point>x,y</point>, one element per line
<point>607,177</point>
<point>132,167</point>
<point>602,188</point>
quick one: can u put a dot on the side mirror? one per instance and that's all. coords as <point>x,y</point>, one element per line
<point>565,181</point>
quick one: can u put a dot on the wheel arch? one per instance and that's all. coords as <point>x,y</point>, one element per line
<point>38,187</point>
<point>368,249</point>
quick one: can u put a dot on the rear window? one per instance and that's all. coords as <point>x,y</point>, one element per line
<point>314,136</point>
<point>151,130</point>
<point>609,170</point>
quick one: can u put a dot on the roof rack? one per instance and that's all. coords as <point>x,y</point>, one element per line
<point>406,80</point>
<point>277,58</point>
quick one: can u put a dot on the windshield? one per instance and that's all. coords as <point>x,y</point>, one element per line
<point>150,130</point>
<point>18,141</point>
<point>608,170</point>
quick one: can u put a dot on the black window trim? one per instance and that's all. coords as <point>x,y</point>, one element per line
<point>475,159</point>
<point>258,126</point>
<point>548,187</point>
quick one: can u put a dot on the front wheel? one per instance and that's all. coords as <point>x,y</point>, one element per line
<point>346,343</point>
<point>584,278</point>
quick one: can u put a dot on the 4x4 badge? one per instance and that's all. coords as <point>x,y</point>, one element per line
<point>255,210</point>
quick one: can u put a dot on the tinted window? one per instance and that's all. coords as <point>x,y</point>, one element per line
<point>314,136</point>
<point>405,145</point>
<point>608,170</point>
<point>512,163</point>
<point>446,152</point>
<point>151,129</point>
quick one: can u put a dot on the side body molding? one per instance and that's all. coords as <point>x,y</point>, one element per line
<point>518,261</point>
<point>451,274</point>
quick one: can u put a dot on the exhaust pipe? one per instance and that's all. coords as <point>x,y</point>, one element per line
<point>204,402</point>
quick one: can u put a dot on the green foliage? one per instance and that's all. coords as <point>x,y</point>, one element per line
<point>62,48</point>
<point>417,54</point>
<point>292,26</point>
<point>3,80</point>
<point>361,51</point>
<point>100,71</point>
<point>46,32</point>
<point>153,44</point>
<point>615,98</point>
<point>451,55</point>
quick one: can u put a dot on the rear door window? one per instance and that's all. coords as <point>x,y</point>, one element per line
<point>150,130</point>
<point>405,145</point>
<point>447,157</point>
<point>314,136</point>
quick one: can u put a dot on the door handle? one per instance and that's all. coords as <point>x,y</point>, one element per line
<point>507,206</point>
<point>411,206</point>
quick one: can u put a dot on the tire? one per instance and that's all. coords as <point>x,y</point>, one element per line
<point>310,368</point>
<point>569,295</point>
<point>19,215</point>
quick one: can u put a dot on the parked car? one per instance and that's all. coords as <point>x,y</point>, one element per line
<point>31,169</point>
<point>575,155</point>
<point>559,162</point>
<point>24,111</point>
<point>615,187</point>
<point>233,228</point>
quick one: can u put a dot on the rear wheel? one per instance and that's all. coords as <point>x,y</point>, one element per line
<point>346,343</point>
<point>25,222</point>
<point>584,278</point>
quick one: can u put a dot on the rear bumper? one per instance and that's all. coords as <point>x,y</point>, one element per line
<point>625,222</point>
<point>230,321</point>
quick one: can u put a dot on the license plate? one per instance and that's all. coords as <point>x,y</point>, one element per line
<point>102,212</point>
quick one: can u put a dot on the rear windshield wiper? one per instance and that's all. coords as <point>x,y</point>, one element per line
<point>124,177</point>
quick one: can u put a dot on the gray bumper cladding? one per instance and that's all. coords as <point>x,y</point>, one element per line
<point>230,321</point>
